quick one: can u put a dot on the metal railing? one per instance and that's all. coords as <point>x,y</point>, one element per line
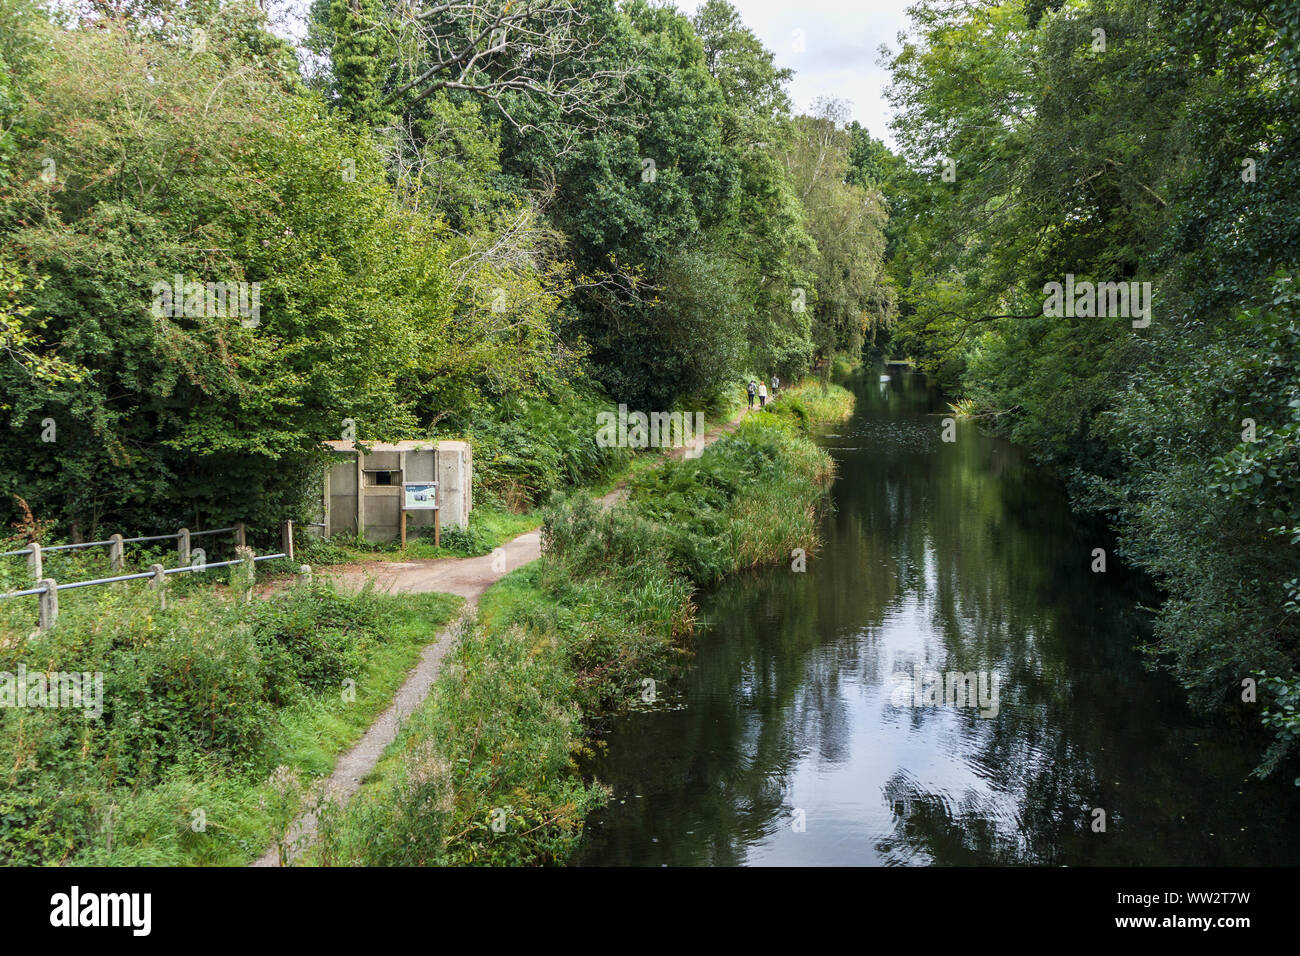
<point>48,589</point>
<point>118,539</point>
<point>116,545</point>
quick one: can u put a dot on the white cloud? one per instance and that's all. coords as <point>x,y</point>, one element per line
<point>841,44</point>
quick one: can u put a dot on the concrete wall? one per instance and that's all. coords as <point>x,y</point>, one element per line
<point>455,482</point>
<point>341,496</point>
<point>377,508</point>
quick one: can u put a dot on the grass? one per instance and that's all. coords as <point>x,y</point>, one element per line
<point>811,402</point>
<point>489,528</point>
<point>310,735</point>
<point>481,771</point>
<point>216,718</point>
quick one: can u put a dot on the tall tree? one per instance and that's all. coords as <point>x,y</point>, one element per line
<point>362,58</point>
<point>851,299</point>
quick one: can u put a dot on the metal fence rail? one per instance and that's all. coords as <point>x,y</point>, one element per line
<point>118,539</point>
<point>58,547</point>
<point>116,545</point>
<point>150,574</point>
<point>48,589</point>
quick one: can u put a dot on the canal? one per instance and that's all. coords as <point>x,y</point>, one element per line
<point>949,682</point>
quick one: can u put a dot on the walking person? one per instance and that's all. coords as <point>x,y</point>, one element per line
<point>753,390</point>
<point>776,384</point>
<point>762,394</point>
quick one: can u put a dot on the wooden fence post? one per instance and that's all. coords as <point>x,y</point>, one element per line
<point>49,604</point>
<point>116,554</point>
<point>239,536</point>
<point>183,547</point>
<point>286,538</point>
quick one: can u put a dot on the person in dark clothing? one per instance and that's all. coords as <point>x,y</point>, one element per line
<point>753,390</point>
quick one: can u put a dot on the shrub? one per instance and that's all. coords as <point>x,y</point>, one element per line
<point>191,696</point>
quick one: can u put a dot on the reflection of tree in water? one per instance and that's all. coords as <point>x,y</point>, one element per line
<point>948,557</point>
<point>948,522</point>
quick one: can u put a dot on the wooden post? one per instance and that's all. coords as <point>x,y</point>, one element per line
<point>49,606</point>
<point>401,473</point>
<point>116,554</point>
<point>183,547</point>
<point>286,538</point>
<point>437,527</point>
<point>240,541</point>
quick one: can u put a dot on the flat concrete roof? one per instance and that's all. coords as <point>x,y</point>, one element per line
<point>409,445</point>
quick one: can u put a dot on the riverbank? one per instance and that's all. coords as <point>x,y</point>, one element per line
<point>484,771</point>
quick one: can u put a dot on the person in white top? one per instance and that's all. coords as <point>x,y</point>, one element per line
<point>762,394</point>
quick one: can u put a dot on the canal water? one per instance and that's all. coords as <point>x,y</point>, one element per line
<point>826,717</point>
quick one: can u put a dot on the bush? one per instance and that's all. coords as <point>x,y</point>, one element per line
<point>526,447</point>
<point>191,701</point>
<point>1214,518</point>
<point>811,402</point>
<point>707,508</point>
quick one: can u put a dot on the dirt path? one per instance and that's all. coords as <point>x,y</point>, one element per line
<point>466,577</point>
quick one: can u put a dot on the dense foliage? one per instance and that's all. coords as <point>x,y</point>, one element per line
<point>438,228</point>
<point>1123,141</point>
<point>210,712</point>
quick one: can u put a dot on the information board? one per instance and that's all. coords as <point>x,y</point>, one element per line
<point>420,495</point>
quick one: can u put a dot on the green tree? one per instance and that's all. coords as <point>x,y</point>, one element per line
<point>361,60</point>
<point>852,298</point>
<point>213,166</point>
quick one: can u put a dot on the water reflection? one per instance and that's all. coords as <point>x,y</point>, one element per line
<point>786,744</point>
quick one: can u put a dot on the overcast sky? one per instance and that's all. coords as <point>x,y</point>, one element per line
<point>838,55</point>
<point>832,45</point>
